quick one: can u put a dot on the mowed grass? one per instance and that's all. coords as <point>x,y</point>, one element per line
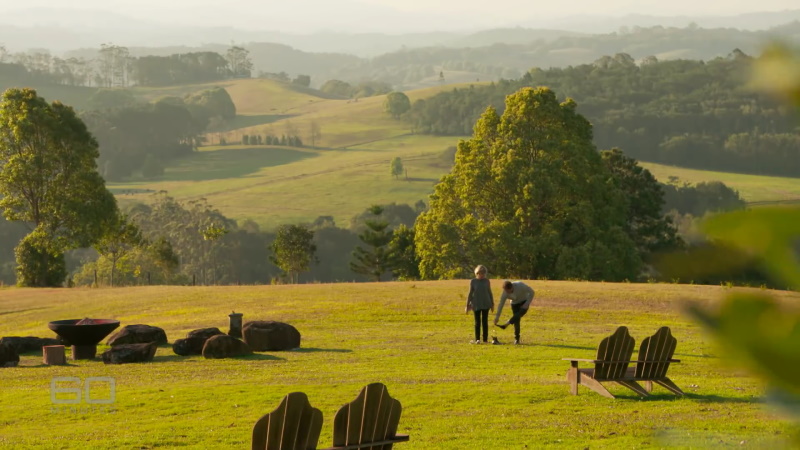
<point>412,336</point>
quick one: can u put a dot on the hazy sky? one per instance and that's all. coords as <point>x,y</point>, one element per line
<point>605,7</point>
<point>377,15</point>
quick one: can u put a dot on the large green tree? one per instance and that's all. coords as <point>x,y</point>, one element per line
<point>646,224</point>
<point>396,104</point>
<point>293,249</point>
<point>530,196</point>
<point>49,179</point>
<point>120,238</point>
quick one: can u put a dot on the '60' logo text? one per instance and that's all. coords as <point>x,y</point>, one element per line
<point>95,390</point>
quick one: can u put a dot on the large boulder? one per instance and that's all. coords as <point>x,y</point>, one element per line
<point>194,342</point>
<point>138,334</point>
<point>267,335</point>
<point>28,343</point>
<point>224,346</point>
<point>8,356</point>
<point>130,353</point>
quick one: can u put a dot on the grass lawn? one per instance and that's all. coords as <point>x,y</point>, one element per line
<point>412,336</point>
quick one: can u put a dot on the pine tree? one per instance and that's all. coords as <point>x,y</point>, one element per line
<point>376,260</point>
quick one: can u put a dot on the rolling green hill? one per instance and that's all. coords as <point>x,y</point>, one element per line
<point>348,169</point>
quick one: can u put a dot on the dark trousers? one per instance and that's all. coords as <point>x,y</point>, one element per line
<point>518,311</point>
<point>481,317</point>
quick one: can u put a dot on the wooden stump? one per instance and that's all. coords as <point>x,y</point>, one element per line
<point>83,352</point>
<point>53,355</point>
<point>235,327</point>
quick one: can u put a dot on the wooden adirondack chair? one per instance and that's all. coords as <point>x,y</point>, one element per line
<point>655,356</point>
<point>611,364</point>
<point>293,425</point>
<point>368,422</point>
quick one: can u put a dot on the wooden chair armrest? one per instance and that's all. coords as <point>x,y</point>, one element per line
<point>397,438</point>
<point>637,361</point>
<point>599,361</point>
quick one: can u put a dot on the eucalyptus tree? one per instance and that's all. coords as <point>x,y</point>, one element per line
<point>49,180</point>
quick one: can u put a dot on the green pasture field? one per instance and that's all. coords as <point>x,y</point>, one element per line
<point>752,188</point>
<point>412,336</point>
<point>277,185</point>
<point>347,169</point>
<point>75,96</point>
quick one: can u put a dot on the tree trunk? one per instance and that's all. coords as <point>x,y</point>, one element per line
<point>113,268</point>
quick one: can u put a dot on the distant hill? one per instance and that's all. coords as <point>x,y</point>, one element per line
<point>492,54</point>
<point>62,29</point>
<point>756,21</point>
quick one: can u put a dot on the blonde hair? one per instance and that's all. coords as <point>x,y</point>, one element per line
<point>481,269</point>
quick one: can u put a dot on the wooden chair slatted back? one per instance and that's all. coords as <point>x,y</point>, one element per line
<point>655,353</point>
<point>616,348</point>
<point>372,417</point>
<point>293,425</point>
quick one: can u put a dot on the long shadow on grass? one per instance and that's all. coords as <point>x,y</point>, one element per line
<point>3,313</point>
<point>261,356</point>
<point>188,359</point>
<point>313,350</point>
<point>67,364</point>
<point>232,163</point>
<point>694,356</point>
<point>721,399</point>
<point>661,397</point>
<point>574,347</point>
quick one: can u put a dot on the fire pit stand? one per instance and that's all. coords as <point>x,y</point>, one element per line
<point>83,334</point>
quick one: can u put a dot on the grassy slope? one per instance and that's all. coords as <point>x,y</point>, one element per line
<point>75,96</point>
<point>753,188</point>
<point>347,172</point>
<point>411,336</point>
<point>349,169</point>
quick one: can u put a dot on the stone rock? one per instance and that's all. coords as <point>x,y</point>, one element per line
<point>138,334</point>
<point>28,343</point>
<point>270,336</point>
<point>8,356</point>
<point>224,346</point>
<point>194,342</point>
<point>130,353</point>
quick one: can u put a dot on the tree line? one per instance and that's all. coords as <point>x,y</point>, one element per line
<point>688,113</point>
<point>139,138</point>
<point>171,248</point>
<point>535,201</point>
<point>114,66</point>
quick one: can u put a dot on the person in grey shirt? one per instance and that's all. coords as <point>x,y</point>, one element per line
<point>521,296</point>
<point>480,301</point>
